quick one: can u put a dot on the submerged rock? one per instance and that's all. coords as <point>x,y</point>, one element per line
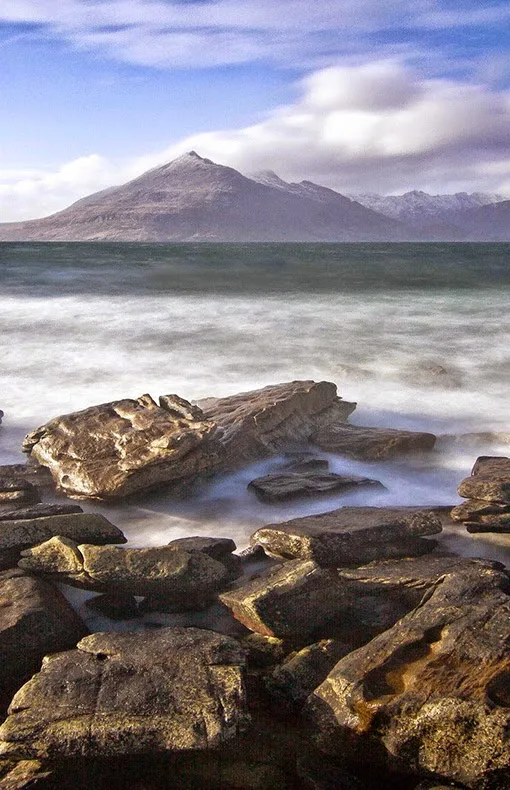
<point>352,535</point>
<point>372,444</point>
<point>17,535</point>
<point>175,689</point>
<point>35,619</point>
<point>430,695</point>
<point>282,486</point>
<point>174,577</point>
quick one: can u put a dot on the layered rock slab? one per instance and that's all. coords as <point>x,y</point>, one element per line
<point>126,446</point>
<point>283,486</point>
<point>487,508</point>
<point>176,689</point>
<point>35,619</point>
<point>351,535</point>
<point>174,577</point>
<point>430,695</point>
<point>19,534</point>
<point>372,444</point>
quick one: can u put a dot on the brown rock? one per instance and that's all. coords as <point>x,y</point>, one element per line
<point>24,774</point>
<point>264,422</point>
<point>178,578</point>
<point>30,472</point>
<point>118,694</point>
<point>430,695</point>
<point>217,548</point>
<point>478,509</point>
<point>15,492</point>
<point>39,511</point>
<point>371,444</point>
<point>280,487</point>
<point>16,535</point>
<point>488,487</point>
<point>351,535</point>
<point>35,619</point>
<point>117,606</point>
<point>487,465</point>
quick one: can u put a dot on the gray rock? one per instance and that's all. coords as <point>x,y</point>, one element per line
<point>372,444</point>
<point>282,486</point>
<point>16,535</point>
<point>35,619</point>
<point>39,511</point>
<point>430,695</point>
<point>118,694</point>
<point>176,578</point>
<point>351,535</point>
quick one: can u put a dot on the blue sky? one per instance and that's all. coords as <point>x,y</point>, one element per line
<point>360,95</point>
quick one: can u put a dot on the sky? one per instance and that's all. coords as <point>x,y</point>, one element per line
<point>358,95</point>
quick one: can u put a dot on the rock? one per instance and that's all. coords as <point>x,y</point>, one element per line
<point>486,524</point>
<point>316,772</point>
<point>30,472</point>
<point>117,606</point>
<point>39,511</point>
<point>491,465</point>
<point>119,448</point>
<point>490,488</point>
<point>264,651</point>
<point>14,492</point>
<point>218,548</point>
<point>35,619</point>
<point>308,465</point>
<point>280,487</point>
<point>430,373</point>
<point>430,695</point>
<point>1,415</point>
<point>351,535</point>
<point>174,577</point>
<point>265,421</point>
<point>480,510</point>
<point>24,774</point>
<point>169,690</point>
<point>300,674</point>
<point>16,535</point>
<point>371,444</point>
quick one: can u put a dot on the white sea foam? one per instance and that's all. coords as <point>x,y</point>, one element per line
<point>383,349</point>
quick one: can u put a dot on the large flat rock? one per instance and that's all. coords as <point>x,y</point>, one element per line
<point>263,422</point>
<point>176,689</point>
<point>179,578</point>
<point>430,695</point>
<point>372,444</point>
<point>123,447</point>
<point>35,619</point>
<point>351,535</point>
<point>19,534</point>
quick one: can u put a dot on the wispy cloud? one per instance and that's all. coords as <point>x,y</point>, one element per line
<point>214,32</point>
<point>380,127</point>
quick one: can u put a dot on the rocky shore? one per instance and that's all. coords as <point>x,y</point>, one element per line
<point>340,651</point>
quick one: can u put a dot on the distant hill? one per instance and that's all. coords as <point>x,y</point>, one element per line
<point>194,199</point>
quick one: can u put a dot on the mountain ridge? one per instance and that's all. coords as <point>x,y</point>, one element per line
<point>193,198</point>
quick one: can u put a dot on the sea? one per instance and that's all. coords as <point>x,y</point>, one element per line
<point>416,334</point>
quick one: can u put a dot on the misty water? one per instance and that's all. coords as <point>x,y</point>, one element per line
<point>416,334</point>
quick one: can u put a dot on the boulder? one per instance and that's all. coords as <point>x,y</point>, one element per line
<point>263,422</point>
<point>175,689</point>
<point>219,549</point>
<point>120,448</point>
<point>351,535</point>
<point>480,510</point>
<point>35,619</point>
<point>282,486</point>
<point>491,465</point>
<point>302,671</point>
<point>297,600</point>
<point>488,487</point>
<point>430,695</point>
<point>371,444</point>
<point>16,535</point>
<point>176,578</point>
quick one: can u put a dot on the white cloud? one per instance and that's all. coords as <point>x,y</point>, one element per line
<point>378,128</point>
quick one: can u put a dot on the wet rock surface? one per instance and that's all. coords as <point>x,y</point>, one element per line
<point>283,486</point>
<point>174,577</point>
<point>172,690</point>
<point>19,534</point>
<point>351,535</point>
<point>487,508</point>
<point>372,444</point>
<point>35,619</point>
<point>430,695</point>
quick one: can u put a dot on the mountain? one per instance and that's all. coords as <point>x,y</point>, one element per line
<point>422,210</point>
<point>194,199</point>
<point>488,223</point>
